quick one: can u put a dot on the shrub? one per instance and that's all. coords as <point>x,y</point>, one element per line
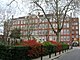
<point>2,51</point>
<point>49,47</point>
<point>64,46</point>
<point>14,52</point>
<point>58,45</point>
<point>35,48</point>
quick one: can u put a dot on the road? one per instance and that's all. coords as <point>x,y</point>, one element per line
<point>72,55</point>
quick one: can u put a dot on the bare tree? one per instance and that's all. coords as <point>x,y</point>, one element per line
<point>59,11</point>
<point>30,26</point>
<point>7,27</point>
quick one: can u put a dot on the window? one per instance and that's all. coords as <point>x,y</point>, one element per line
<point>76,27</point>
<point>75,23</point>
<point>24,33</point>
<point>21,22</point>
<point>55,25</point>
<point>61,31</point>
<point>76,36</point>
<point>55,37</point>
<point>51,38</point>
<point>65,31</point>
<point>51,20</point>
<point>21,32</point>
<point>72,36</point>
<point>21,26</point>
<point>68,31</point>
<point>46,20</point>
<point>18,22</point>
<point>51,32</point>
<point>36,21</point>
<point>46,26</point>
<point>64,37</point>
<point>72,27</point>
<point>34,33</point>
<point>72,32</point>
<point>17,27</point>
<point>77,32</point>
<point>67,37</point>
<point>67,25</point>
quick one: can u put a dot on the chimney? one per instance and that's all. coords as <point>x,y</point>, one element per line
<point>38,13</point>
<point>29,13</point>
<point>71,14</point>
<point>12,16</point>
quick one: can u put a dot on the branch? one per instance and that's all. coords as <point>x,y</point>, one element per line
<point>45,16</point>
<point>10,2</point>
<point>65,14</point>
<point>66,5</point>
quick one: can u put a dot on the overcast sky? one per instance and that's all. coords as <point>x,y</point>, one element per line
<point>16,9</point>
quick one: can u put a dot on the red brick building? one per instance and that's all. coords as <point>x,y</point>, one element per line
<point>40,28</point>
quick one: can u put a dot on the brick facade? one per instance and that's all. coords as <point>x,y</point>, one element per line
<point>40,28</point>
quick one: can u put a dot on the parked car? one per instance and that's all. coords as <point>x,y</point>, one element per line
<point>75,43</point>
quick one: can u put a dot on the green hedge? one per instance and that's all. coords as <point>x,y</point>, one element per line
<point>13,53</point>
<point>22,52</point>
<point>65,46</point>
<point>49,47</point>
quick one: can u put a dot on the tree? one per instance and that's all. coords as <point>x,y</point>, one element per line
<point>59,10</point>
<point>30,28</point>
<point>7,25</point>
<point>15,33</point>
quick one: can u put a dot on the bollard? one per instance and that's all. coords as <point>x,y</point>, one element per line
<point>41,52</point>
<point>55,53</point>
<point>62,51</point>
<point>49,55</point>
<point>59,52</point>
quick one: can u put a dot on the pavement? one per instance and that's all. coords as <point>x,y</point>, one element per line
<point>53,57</point>
<point>72,55</point>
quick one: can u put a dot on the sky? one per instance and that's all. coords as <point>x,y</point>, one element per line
<point>16,9</point>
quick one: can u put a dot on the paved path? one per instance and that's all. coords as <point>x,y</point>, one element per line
<point>73,55</point>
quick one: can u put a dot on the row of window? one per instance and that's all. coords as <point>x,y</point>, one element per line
<point>36,21</point>
<point>45,26</point>
<point>75,36</point>
<point>65,38</point>
<point>76,23</point>
<point>74,32</point>
<point>76,27</point>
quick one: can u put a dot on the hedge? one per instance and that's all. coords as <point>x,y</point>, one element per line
<point>58,45</point>
<point>13,52</point>
<point>64,46</point>
<point>49,47</point>
<point>28,50</point>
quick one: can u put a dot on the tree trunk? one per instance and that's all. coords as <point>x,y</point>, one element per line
<point>58,37</point>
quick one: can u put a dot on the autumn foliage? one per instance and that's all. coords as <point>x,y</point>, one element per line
<point>58,45</point>
<point>37,49</point>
